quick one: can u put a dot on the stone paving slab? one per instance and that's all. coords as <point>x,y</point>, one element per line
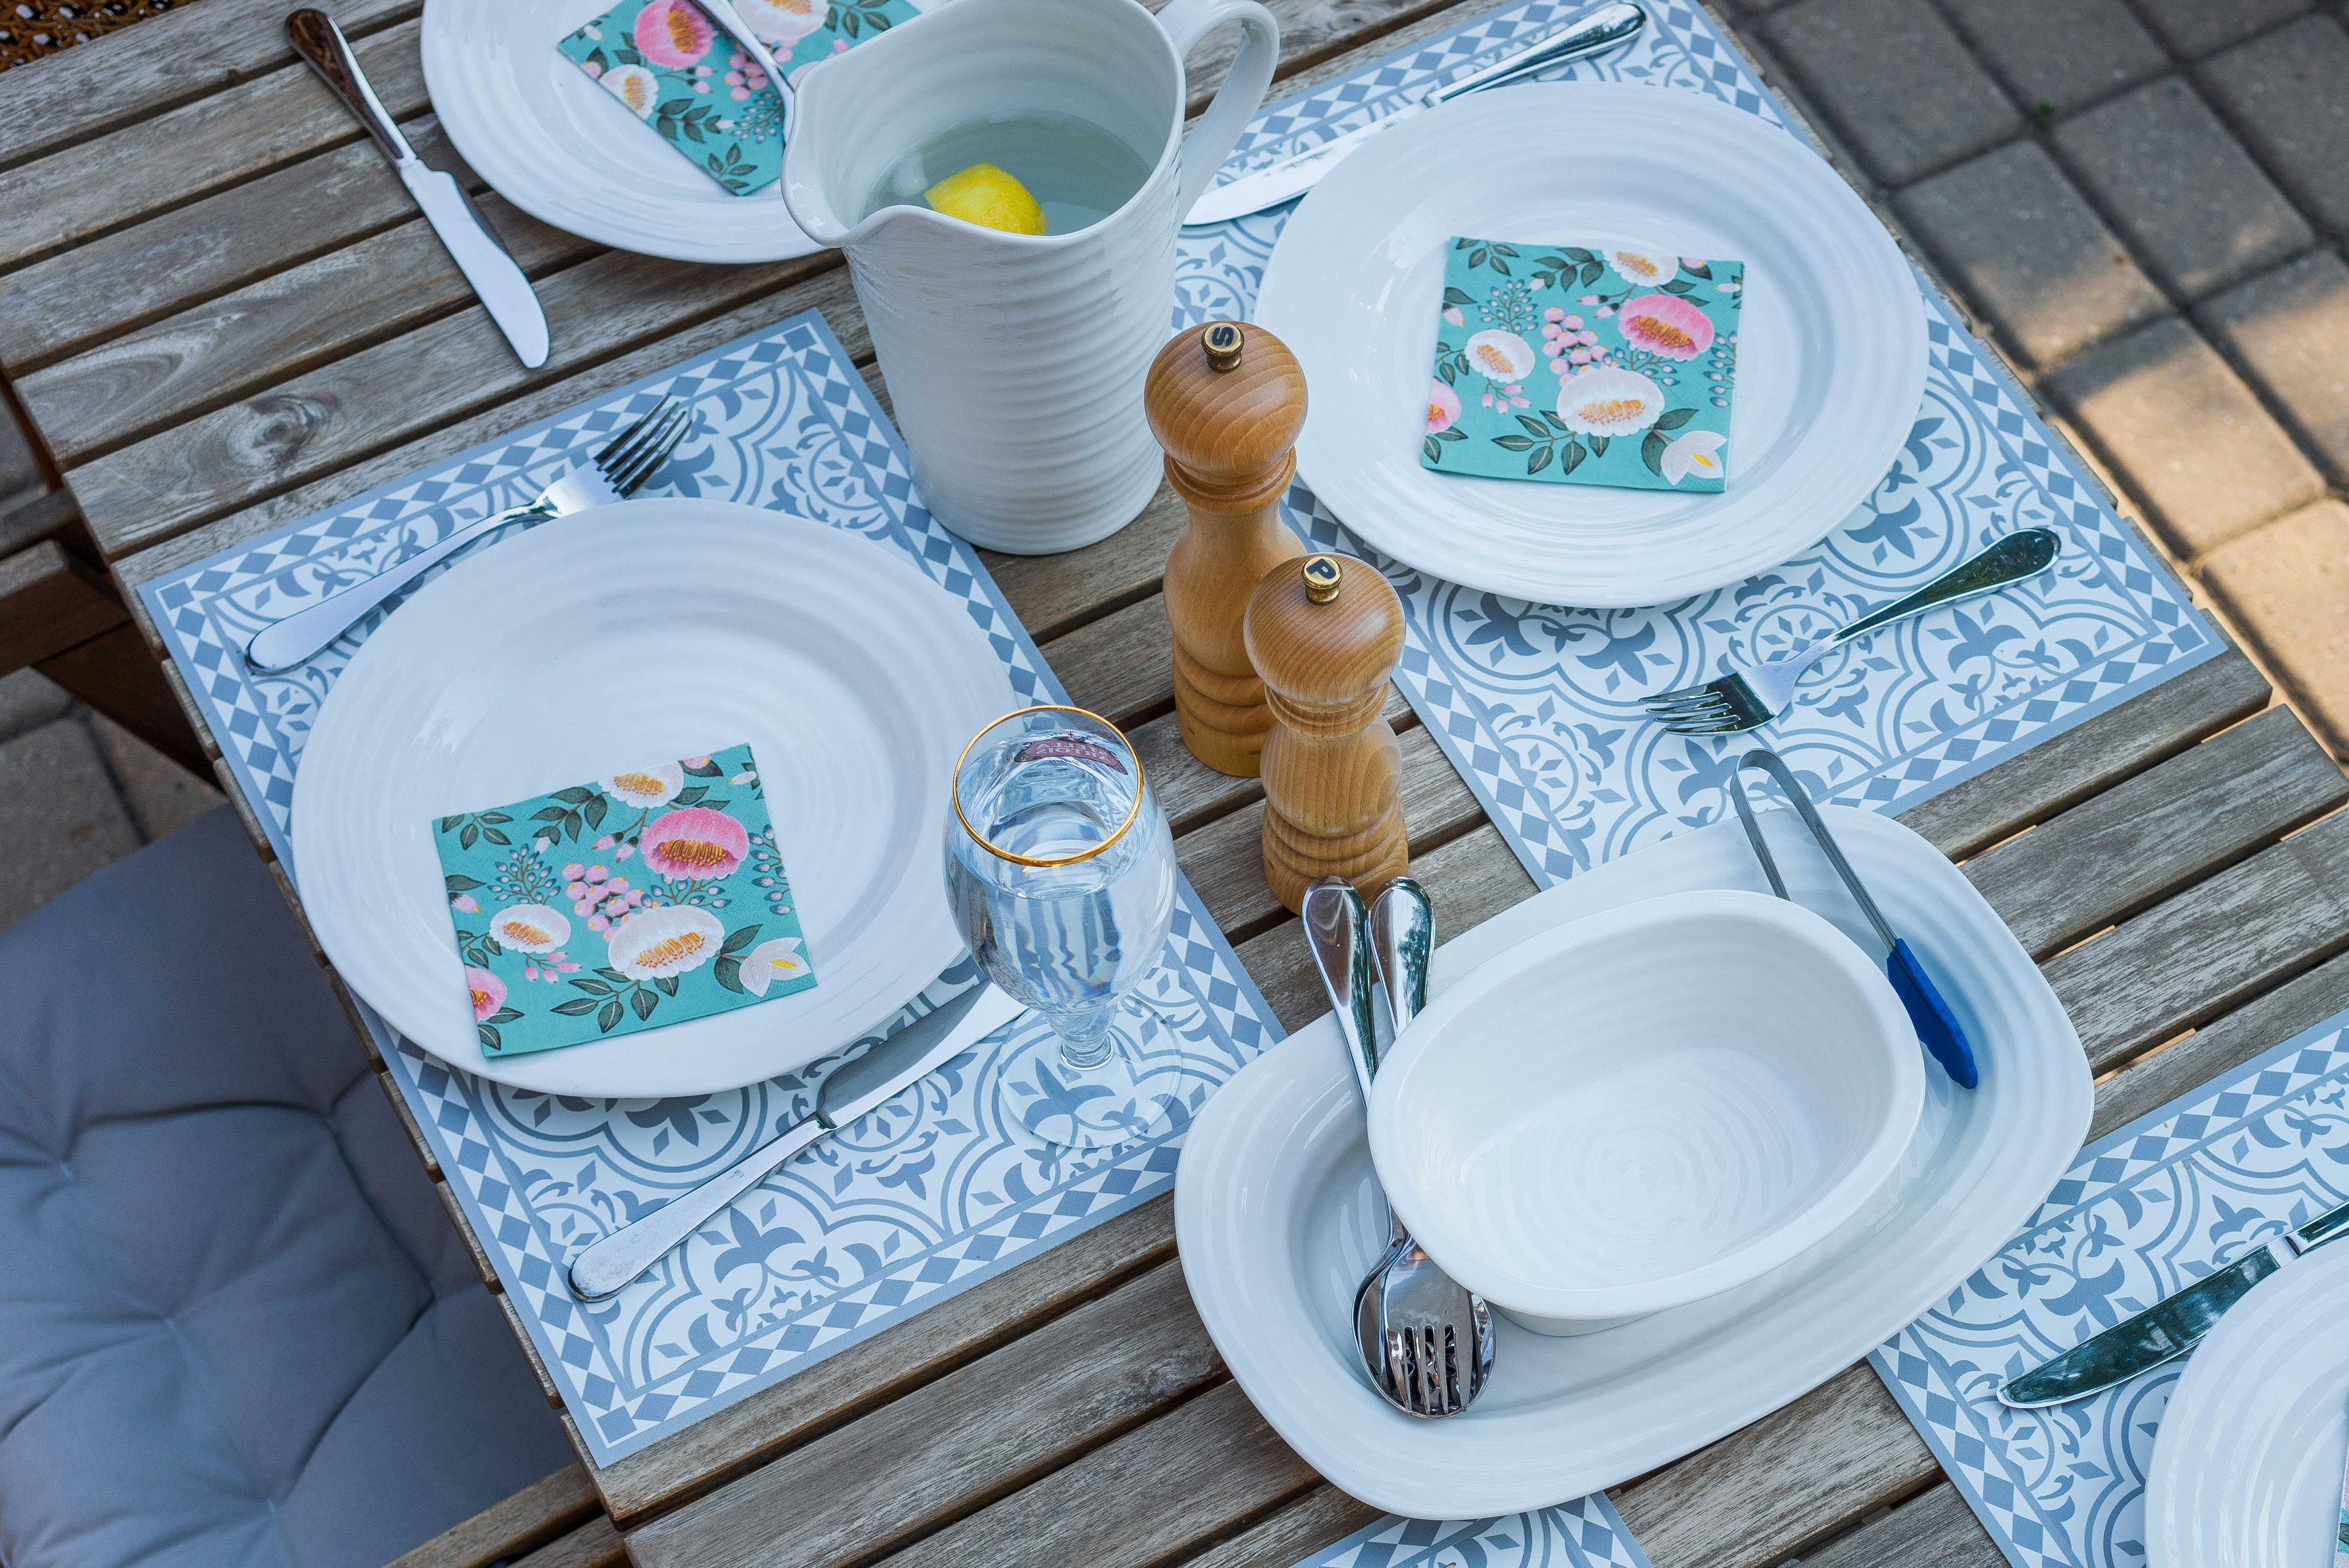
<point>2189,200</point>
<point>2287,587</point>
<point>2290,329</point>
<point>2016,238</point>
<point>2187,436</point>
<point>2058,56</point>
<point>59,816</point>
<point>2195,27</point>
<point>2288,95</point>
<point>1896,81</point>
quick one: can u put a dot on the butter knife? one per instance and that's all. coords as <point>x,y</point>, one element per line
<point>2169,1328</point>
<point>485,264</point>
<point>854,1090</point>
<point>1618,22</point>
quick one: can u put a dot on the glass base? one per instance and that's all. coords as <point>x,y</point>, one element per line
<point>1130,1097</point>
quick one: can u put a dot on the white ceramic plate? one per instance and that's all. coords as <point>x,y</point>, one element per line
<point>633,633</point>
<point>1276,1211</point>
<point>2246,1468</point>
<point>565,150</point>
<point>1831,338</point>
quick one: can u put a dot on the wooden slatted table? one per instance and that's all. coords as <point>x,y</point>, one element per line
<point>222,312</point>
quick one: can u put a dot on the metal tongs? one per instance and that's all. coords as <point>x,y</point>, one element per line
<point>1938,1029</point>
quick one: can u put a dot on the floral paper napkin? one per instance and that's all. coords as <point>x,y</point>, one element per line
<point>1584,366</point>
<point>648,898</point>
<point>679,73</point>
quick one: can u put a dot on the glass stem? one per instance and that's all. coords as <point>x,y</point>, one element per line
<point>1086,1037</point>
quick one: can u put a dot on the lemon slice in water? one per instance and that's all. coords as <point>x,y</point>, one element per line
<point>987,196</point>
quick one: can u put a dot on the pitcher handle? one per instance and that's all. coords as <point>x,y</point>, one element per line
<point>1235,102</point>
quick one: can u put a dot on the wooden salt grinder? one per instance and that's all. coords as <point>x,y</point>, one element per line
<point>1326,637</point>
<point>1227,402</point>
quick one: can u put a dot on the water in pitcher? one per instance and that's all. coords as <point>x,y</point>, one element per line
<point>1072,940</point>
<point>1078,172</point>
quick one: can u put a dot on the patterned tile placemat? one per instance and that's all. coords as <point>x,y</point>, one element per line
<point>2148,1209</point>
<point>898,1213</point>
<point>1537,705</point>
<point>1585,1534</point>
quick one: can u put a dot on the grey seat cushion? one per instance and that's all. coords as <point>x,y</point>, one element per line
<point>236,1325</point>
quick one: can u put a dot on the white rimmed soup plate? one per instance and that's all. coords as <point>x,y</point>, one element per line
<point>1646,1107</point>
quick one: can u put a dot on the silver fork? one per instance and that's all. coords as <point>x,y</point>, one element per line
<point>1426,1342</point>
<point>1752,694</point>
<point>612,474</point>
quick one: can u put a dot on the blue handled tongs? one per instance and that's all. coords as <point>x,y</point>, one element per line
<point>1937,1026</point>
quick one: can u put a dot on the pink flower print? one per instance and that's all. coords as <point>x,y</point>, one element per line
<point>703,88</point>
<point>597,923</point>
<point>1588,299</point>
<point>673,33</point>
<point>1452,314</point>
<point>1666,324</point>
<point>694,845</point>
<point>1692,262</point>
<point>1553,313</point>
<point>1604,311</point>
<point>591,68</point>
<point>624,851</point>
<point>1443,407</point>
<point>604,843</point>
<point>1489,400</point>
<point>839,45</point>
<point>697,762</point>
<point>704,70</point>
<point>737,94</point>
<point>1572,323</point>
<point>1516,402</point>
<point>489,993</point>
<point>1581,355</point>
<point>733,79</point>
<point>597,873</point>
<point>529,972</point>
<point>464,903</point>
<point>573,872</point>
<point>1586,338</point>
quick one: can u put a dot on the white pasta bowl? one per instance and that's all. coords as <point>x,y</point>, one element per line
<point>1646,1107</point>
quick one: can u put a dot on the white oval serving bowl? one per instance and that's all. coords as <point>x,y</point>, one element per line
<point>1646,1107</point>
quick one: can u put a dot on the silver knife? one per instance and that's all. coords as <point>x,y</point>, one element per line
<point>1618,22</point>
<point>854,1090</point>
<point>484,262</point>
<point>2169,1328</point>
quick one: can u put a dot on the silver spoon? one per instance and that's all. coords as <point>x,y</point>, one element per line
<point>1426,1342</point>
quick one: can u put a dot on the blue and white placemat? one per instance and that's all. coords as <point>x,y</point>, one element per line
<point>1538,705</point>
<point>890,1216</point>
<point>1585,1534</point>
<point>2143,1211</point>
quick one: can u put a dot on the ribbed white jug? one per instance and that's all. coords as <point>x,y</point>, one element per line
<point>1015,362</point>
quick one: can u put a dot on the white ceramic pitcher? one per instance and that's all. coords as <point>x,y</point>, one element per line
<point>1015,362</point>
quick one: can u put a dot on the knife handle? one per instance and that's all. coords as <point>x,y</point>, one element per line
<point>607,1266</point>
<point>317,39</point>
<point>1612,24</point>
<point>1335,924</point>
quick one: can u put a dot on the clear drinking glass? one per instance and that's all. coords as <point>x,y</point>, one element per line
<point>1061,871</point>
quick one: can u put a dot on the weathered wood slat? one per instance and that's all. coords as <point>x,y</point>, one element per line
<point>2173,824</point>
<point>1934,1530</point>
<point>595,1544</point>
<point>271,331</point>
<point>1210,1467</point>
<point>943,1451</point>
<point>1121,666</point>
<point>114,674</point>
<point>555,1505</point>
<point>317,423</point>
<point>2153,1081</point>
<point>50,602</point>
<point>127,279</point>
<point>1967,819</point>
<point>1758,1495</point>
<point>174,59</point>
<point>2210,949</point>
<point>866,1376</point>
<point>1057,594</point>
<point>1293,1532</point>
<point>164,161</point>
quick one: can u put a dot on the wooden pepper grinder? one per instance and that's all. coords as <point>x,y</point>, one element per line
<point>1227,402</point>
<point>1326,637</point>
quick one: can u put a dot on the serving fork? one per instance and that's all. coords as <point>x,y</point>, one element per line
<point>1426,1342</point>
<point>1753,693</point>
<point>613,475</point>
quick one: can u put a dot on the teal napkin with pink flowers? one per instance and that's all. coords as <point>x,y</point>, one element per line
<point>603,908</point>
<point>1607,365</point>
<point>679,72</point>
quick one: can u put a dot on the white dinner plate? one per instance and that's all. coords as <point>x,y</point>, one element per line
<point>563,150</point>
<point>633,634</point>
<point>2246,1468</point>
<point>1831,337</point>
<point>1278,1212</point>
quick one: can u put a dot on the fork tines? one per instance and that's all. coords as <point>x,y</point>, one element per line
<point>633,454</point>
<point>1723,707</point>
<point>1425,1371</point>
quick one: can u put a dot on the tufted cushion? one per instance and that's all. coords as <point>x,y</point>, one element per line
<point>235,1325</point>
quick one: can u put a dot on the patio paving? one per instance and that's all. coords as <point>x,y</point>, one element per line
<point>2145,201</point>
